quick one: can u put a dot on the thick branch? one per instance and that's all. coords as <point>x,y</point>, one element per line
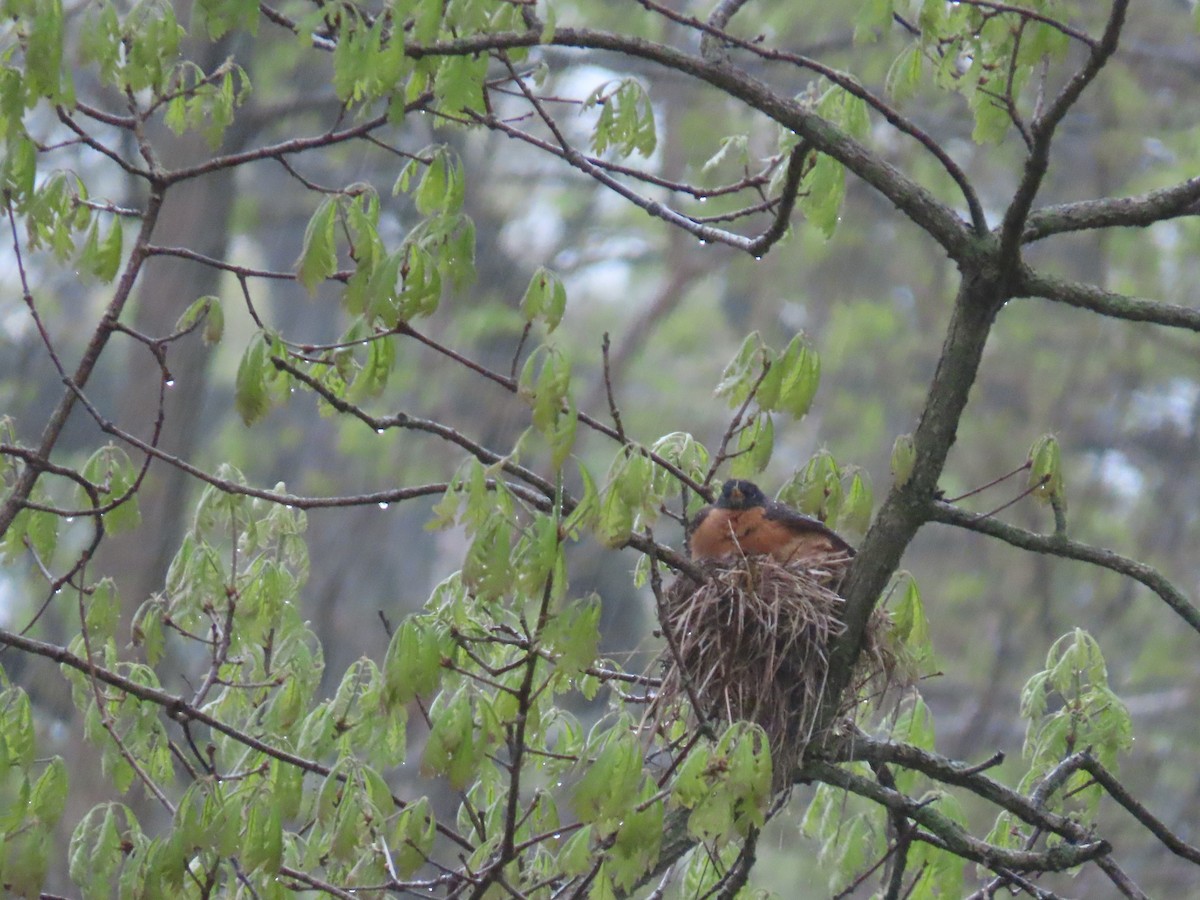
<point>955,838</point>
<point>1137,211</point>
<point>1105,302</point>
<point>910,197</point>
<point>958,774</point>
<point>1060,545</point>
<point>713,36</point>
<point>906,507</point>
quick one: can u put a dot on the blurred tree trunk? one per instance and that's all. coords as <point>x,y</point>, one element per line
<point>195,215</point>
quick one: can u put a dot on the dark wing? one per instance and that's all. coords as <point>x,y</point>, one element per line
<point>802,524</point>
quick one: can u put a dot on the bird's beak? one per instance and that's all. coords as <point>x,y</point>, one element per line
<point>736,495</point>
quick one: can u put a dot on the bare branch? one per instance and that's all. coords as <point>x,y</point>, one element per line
<point>1054,859</point>
<point>1137,211</point>
<point>1032,15</point>
<point>1153,824</point>
<point>910,197</point>
<point>1042,132</point>
<point>714,34</point>
<point>91,355</point>
<point>1107,303</point>
<point>1060,545</point>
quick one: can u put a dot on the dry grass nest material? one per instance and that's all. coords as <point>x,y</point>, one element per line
<point>750,643</point>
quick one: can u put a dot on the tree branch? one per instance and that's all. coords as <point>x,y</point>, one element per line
<point>713,34</point>
<point>1042,133</point>
<point>1138,211</point>
<point>907,195</point>
<point>955,838</point>
<point>1153,824</point>
<point>1108,303</point>
<point>87,363</point>
<point>1062,546</point>
<point>179,710</point>
<point>905,509</point>
<point>939,768</point>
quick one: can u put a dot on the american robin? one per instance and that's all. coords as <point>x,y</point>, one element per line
<point>743,522</point>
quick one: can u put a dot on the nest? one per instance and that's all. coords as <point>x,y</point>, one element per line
<point>750,643</point>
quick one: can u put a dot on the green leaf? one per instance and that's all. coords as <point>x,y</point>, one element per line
<point>575,857</point>
<point>904,76</point>
<point>24,861</point>
<point>214,322</point>
<point>573,636</point>
<point>488,568</point>
<point>413,837</point>
<point>18,168</point>
<point>756,442</point>
<point>904,459</point>
<point>615,524</point>
<point>95,850</point>
<point>992,119</point>
<point>42,531</point>
<point>443,186</point>
<point>318,256</point>
<point>626,120</point>
<point>413,664</point>
<point>602,794</point>
<point>148,631</point>
<point>684,451</point>
<point>44,69</point>
<point>286,788</point>
<point>198,309</point>
<point>48,799</point>
<point>422,283</point>
<point>736,146</point>
<point>262,849</point>
<point>705,868</point>
<point>824,187</point>
<point>874,16</point>
<point>222,16</point>
<point>250,385</point>
<point>372,377</point>
<point>545,298</point>
<point>638,839</point>
<point>857,507</point>
<point>1045,469</point>
<point>909,624</point>
<point>817,490</point>
<point>452,748</point>
<point>915,726</point>
<point>458,85</point>
<point>103,612</point>
<point>1090,714</point>
<point>103,258</point>
<point>800,368</point>
<point>743,371</point>
<point>18,733</point>
<point>587,511</point>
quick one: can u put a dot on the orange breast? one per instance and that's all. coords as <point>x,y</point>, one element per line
<point>713,537</point>
<point>730,533</point>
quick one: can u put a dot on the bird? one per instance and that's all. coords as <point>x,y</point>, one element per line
<point>743,522</point>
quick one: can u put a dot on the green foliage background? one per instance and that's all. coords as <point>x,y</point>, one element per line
<point>423,396</point>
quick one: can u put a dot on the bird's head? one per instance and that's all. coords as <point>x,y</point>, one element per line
<point>737,494</point>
